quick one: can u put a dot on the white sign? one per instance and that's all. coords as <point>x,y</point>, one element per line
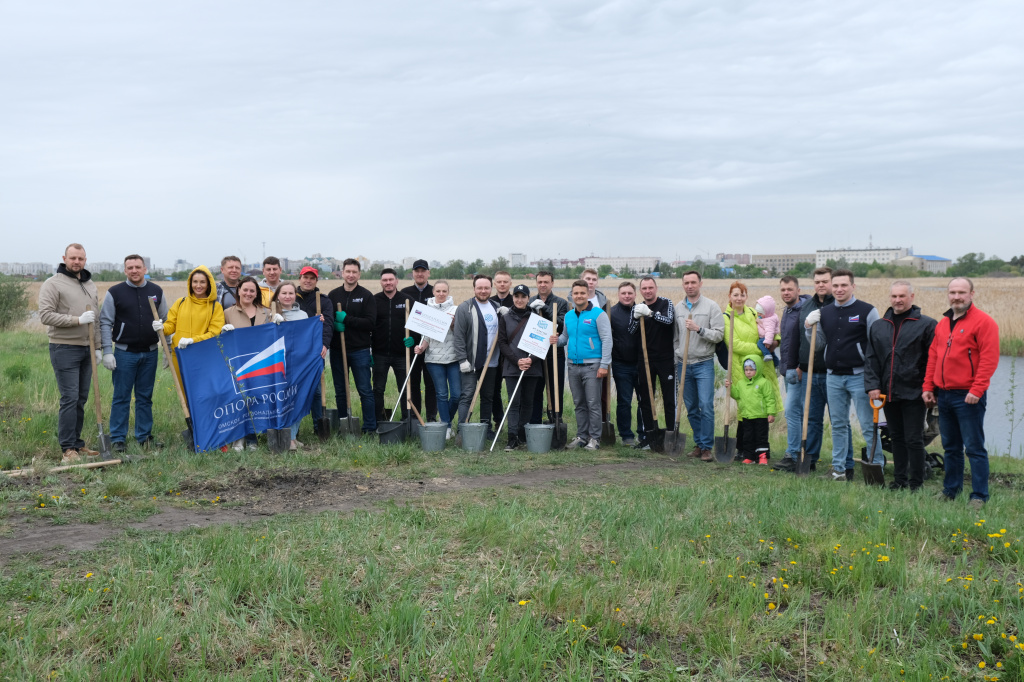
<point>430,322</point>
<point>536,338</point>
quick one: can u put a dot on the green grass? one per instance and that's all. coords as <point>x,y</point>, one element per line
<point>1011,345</point>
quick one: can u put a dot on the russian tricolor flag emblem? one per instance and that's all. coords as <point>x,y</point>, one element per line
<point>267,362</point>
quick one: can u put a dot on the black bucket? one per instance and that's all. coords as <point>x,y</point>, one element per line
<point>391,433</point>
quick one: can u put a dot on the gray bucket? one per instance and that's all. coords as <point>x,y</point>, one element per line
<point>392,432</point>
<point>474,436</point>
<point>432,436</point>
<point>538,437</point>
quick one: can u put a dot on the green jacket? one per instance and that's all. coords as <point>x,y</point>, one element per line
<point>754,396</point>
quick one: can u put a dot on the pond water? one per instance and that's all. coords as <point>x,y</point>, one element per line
<point>1001,409</point>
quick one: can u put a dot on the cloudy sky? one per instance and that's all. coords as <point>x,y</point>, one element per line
<point>471,129</point>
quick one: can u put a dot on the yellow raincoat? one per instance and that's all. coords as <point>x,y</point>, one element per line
<point>194,318</point>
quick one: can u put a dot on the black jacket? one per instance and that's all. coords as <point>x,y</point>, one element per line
<point>659,328</point>
<point>361,309</point>
<point>897,356</point>
<point>625,346</point>
<point>506,301</point>
<point>389,329</point>
<point>792,332</point>
<point>508,339</point>
<point>307,303</point>
<point>414,294</point>
<point>805,344</point>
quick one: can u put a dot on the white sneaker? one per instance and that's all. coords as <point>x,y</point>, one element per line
<point>577,442</point>
<point>293,445</point>
<point>448,434</point>
<point>592,444</point>
<point>238,445</point>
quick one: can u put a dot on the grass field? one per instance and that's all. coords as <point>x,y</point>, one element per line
<point>349,560</point>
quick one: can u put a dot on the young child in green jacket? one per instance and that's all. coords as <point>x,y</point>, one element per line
<point>757,407</point>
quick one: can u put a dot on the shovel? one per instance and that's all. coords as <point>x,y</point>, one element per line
<point>408,373</point>
<point>561,434</point>
<point>349,424</point>
<point>104,443</point>
<point>325,418</point>
<point>803,467</point>
<point>675,442</point>
<point>505,416</point>
<point>725,447</point>
<point>607,427</point>
<point>874,474</point>
<point>655,436</point>
<point>187,434</point>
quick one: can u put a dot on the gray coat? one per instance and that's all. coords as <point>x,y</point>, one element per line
<point>467,328</point>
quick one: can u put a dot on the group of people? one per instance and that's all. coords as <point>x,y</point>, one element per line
<point>849,354</point>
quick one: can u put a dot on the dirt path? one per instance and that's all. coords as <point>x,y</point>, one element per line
<point>256,494</point>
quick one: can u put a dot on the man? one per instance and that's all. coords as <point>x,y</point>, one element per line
<point>657,314</point>
<point>789,368</point>
<point>271,278</point>
<point>961,361</point>
<point>556,361</point>
<point>593,294</point>
<point>420,291</point>
<point>355,313</point>
<point>307,298</point>
<point>503,297</point>
<point>625,351</point>
<point>67,306</point>
<point>894,366</point>
<point>390,340</point>
<point>231,275</point>
<point>475,331</point>
<point>701,319</point>
<point>130,350</point>
<point>587,337</point>
<point>844,330</point>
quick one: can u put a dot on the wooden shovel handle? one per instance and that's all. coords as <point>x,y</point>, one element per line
<point>728,369</point>
<point>682,376</point>
<point>480,382</point>
<point>95,374</point>
<point>344,369</point>
<point>807,392</point>
<point>167,352</point>
<point>647,371</point>
<point>554,358</point>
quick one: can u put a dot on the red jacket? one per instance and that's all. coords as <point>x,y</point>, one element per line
<point>964,353</point>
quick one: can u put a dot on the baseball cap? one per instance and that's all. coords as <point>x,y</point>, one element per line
<point>421,264</point>
<point>521,289</point>
<point>309,270</point>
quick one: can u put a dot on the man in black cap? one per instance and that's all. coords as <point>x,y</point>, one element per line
<point>503,297</point>
<point>420,291</point>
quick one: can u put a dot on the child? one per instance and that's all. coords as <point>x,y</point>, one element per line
<point>767,327</point>
<point>756,411</point>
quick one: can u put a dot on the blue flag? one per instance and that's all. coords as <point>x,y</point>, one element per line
<point>251,379</point>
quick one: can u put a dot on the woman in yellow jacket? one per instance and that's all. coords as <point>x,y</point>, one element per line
<point>745,338</point>
<point>197,316</point>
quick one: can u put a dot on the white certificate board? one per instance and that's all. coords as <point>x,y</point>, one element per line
<point>536,338</point>
<point>430,322</point>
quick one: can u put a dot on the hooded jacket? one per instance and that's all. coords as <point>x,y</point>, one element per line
<point>897,354</point>
<point>745,344</point>
<point>508,343</point>
<point>792,331</point>
<point>708,316</point>
<point>467,333</point>
<point>442,353</point>
<point>195,318</point>
<point>62,299</point>
<point>768,325</point>
<point>754,397</point>
<point>964,353</point>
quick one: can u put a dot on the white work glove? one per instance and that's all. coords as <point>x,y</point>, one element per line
<point>99,357</point>
<point>228,328</point>
<point>158,326</point>
<point>277,318</point>
<point>537,305</point>
<point>503,310</point>
<point>184,343</point>
<point>465,367</point>
<point>813,318</point>
<point>109,362</point>
<point>641,310</point>
<point>87,317</point>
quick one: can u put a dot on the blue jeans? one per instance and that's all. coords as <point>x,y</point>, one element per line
<point>359,365</point>
<point>135,371</point>
<point>73,370</point>
<point>794,405</point>
<point>626,375</point>
<point>842,390</point>
<point>448,387</point>
<point>699,398</point>
<point>962,429</point>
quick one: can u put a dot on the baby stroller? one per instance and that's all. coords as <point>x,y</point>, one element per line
<point>933,461</point>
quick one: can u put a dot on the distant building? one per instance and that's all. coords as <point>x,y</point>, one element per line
<point>408,261</point>
<point>619,263</point>
<point>101,265</point>
<point>868,255</point>
<point>24,269</point>
<point>182,265</point>
<point>933,264</point>
<point>517,260</point>
<point>780,262</point>
<point>734,258</point>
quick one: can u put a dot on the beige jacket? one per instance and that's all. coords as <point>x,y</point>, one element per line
<point>62,299</point>
<point>237,318</point>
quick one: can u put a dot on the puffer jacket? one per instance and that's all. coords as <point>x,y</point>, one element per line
<point>768,325</point>
<point>754,397</point>
<point>441,353</point>
<point>508,341</point>
<point>745,344</point>
<point>897,357</point>
<point>62,299</point>
<point>195,318</point>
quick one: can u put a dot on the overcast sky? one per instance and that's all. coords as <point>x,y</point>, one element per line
<point>472,129</point>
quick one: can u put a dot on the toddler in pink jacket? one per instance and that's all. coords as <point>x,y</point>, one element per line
<point>767,326</point>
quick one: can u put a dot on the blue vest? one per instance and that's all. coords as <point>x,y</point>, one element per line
<point>584,342</point>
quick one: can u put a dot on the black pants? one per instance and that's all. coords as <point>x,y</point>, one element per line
<point>536,416</point>
<point>419,372</point>
<point>662,374</point>
<point>905,420</point>
<point>752,437</point>
<point>381,365</point>
<point>520,409</point>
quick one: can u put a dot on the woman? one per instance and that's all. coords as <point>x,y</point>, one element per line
<point>195,317</point>
<point>285,302</point>
<point>517,363</point>
<point>745,338</point>
<point>440,359</point>
<point>249,311</point>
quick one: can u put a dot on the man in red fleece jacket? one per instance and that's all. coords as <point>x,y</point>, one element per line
<point>961,361</point>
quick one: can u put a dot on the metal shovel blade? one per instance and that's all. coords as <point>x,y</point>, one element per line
<point>324,430</point>
<point>675,442</point>
<point>725,448</point>
<point>873,473</point>
<point>656,439</point>
<point>607,433</point>
<point>188,437</point>
<point>355,427</point>
<point>104,444</point>
<point>561,435</point>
